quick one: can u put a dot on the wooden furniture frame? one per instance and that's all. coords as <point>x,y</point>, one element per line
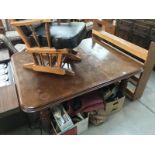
<point>105,24</point>
<point>45,59</point>
<point>2,31</point>
<point>39,91</point>
<point>146,57</point>
<point>94,72</point>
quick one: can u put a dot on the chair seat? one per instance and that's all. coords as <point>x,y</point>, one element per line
<point>63,35</point>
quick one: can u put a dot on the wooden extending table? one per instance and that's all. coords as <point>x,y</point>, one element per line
<point>100,66</point>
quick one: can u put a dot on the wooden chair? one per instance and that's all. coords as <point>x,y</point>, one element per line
<point>145,57</point>
<point>55,55</point>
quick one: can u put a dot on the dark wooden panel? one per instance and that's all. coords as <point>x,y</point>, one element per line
<point>8,99</point>
<point>1,27</point>
<point>99,67</point>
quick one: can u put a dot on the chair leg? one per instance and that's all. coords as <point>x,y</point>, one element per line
<point>74,52</point>
<point>45,121</point>
<point>73,57</point>
<point>69,72</point>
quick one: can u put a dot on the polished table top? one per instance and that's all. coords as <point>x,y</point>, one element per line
<point>100,66</point>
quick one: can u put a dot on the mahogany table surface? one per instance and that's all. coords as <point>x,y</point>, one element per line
<point>100,66</point>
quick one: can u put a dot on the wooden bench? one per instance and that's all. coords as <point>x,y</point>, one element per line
<point>146,57</point>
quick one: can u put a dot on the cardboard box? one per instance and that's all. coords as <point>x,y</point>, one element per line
<point>79,127</point>
<point>72,131</point>
<point>115,105</point>
<point>63,120</point>
<point>56,131</point>
<point>98,117</point>
<point>82,125</point>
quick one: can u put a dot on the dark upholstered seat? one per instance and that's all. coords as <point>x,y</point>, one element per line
<point>51,44</point>
<point>63,35</point>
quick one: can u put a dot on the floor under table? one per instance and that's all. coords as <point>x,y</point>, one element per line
<point>136,117</point>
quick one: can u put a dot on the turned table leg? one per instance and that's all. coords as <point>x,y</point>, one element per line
<point>45,121</point>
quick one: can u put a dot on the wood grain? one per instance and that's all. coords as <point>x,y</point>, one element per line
<point>100,66</point>
<point>2,30</point>
<point>123,44</point>
<point>46,50</point>
<point>148,66</point>
<point>8,98</point>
